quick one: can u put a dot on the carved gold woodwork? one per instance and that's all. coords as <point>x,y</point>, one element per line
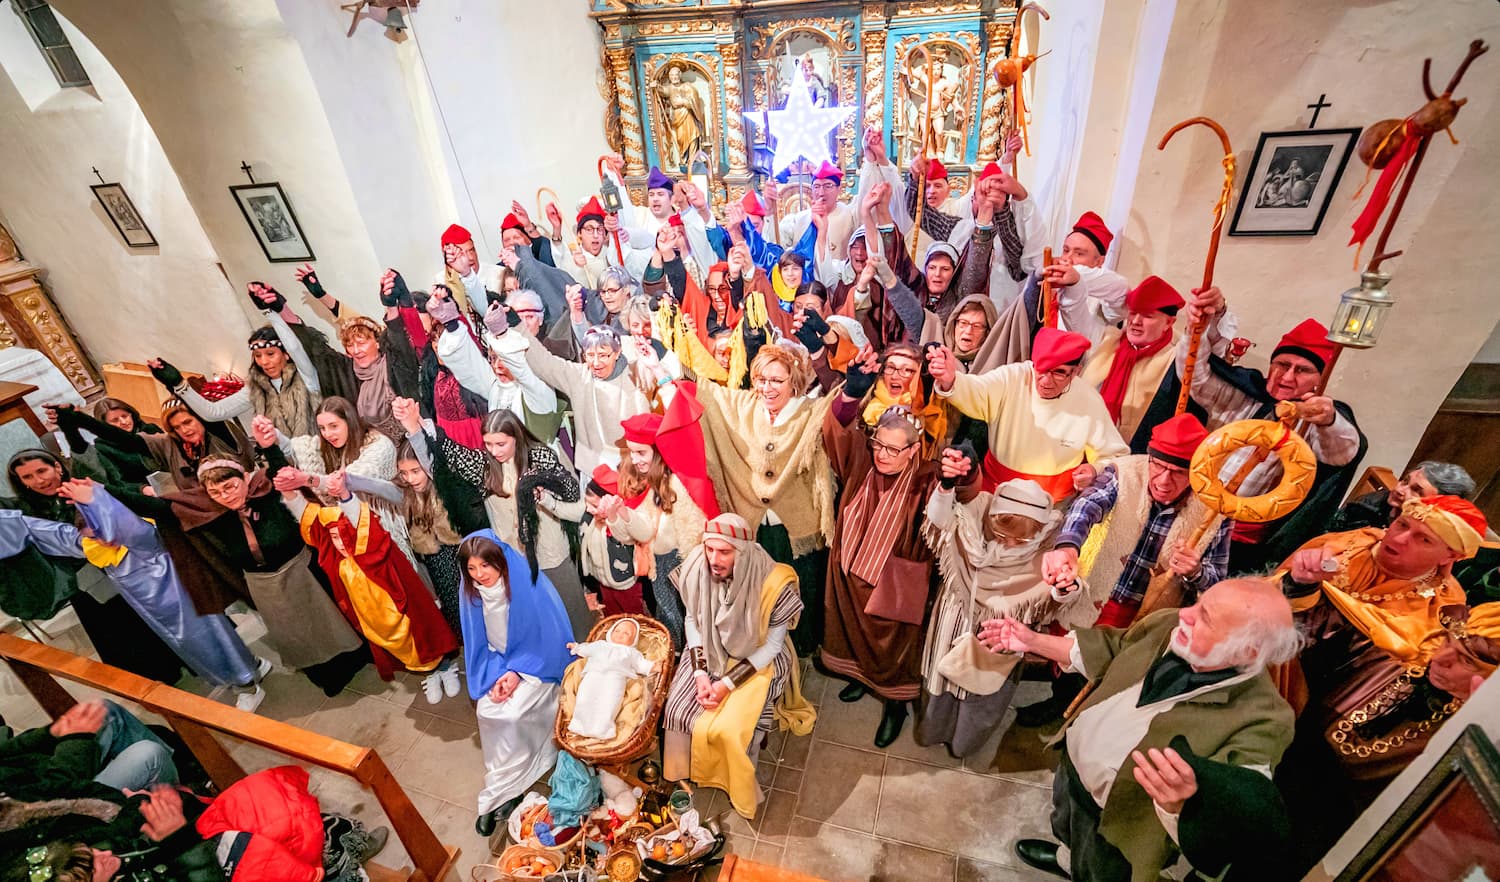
<point>620,63</point>
<point>875,80</point>
<point>734,117</point>
<point>996,97</point>
<point>29,318</point>
<point>967,45</point>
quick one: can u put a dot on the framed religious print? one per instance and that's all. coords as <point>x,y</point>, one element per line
<point>1291,181</point>
<point>1447,829</point>
<point>270,216</point>
<point>122,212</point>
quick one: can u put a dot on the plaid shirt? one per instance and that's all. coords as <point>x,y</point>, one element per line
<point>1091,507</point>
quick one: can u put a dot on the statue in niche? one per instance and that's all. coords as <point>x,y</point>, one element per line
<point>949,117</point>
<point>685,118</point>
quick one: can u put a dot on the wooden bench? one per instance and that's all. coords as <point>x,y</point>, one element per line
<point>197,721</point>
<point>1374,478</point>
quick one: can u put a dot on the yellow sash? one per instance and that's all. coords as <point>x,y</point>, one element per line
<point>721,737</point>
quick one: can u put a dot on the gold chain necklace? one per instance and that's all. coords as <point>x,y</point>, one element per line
<point>1349,743</point>
<point>1426,584</point>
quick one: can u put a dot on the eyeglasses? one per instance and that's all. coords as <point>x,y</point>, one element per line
<point>223,488</point>
<point>965,324</point>
<point>527,311</point>
<point>615,290</point>
<point>718,289</point>
<point>879,448</point>
<point>771,380</point>
<point>903,372</point>
<point>824,186</point>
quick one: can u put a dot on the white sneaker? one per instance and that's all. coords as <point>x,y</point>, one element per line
<point>432,687</point>
<point>248,700</point>
<point>451,683</point>
<point>263,669</point>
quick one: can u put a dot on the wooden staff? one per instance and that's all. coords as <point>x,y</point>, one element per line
<point>1220,208</point>
<point>916,227</point>
<point>563,233</point>
<point>1049,296</point>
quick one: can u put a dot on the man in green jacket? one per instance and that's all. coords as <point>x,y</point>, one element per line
<point>1198,672</point>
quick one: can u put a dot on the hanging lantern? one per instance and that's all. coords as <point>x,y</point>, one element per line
<point>1362,311</point>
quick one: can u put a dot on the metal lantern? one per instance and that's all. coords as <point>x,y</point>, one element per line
<point>1362,311</point>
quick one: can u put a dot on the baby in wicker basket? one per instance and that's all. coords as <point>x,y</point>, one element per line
<point>611,663</point>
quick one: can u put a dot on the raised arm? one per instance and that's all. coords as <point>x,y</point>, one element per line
<point>112,522</point>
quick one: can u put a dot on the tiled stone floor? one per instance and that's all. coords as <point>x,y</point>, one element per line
<point>837,808</point>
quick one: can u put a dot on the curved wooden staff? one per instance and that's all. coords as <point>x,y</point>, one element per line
<point>562,233</point>
<point>1017,102</point>
<point>1220,209</point>
<point>916,224</point>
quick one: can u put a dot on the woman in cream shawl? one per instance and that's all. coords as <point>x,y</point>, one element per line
<point>989,553</point>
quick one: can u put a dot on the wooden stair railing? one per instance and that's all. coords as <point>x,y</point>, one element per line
<point>196,719</point>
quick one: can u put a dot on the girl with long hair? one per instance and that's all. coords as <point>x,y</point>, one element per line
<point>116,464</point>
<point>516,636</point>
<point>528,493</point>
<point>188,441</point>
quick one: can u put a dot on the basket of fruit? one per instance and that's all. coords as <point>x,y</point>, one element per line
<point>519,863</point>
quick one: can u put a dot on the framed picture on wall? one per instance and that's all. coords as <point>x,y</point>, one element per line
<point>1291,181</point>
<point>1447,829</point>
<point>271,218</point>
<point>122,212</point>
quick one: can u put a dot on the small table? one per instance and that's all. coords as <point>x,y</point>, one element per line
<point>13,406</point>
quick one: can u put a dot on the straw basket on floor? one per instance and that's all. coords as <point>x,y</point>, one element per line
<point>520,863</point>
<point>635,727</point>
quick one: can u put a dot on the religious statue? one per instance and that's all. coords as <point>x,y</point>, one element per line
<point>686,120</point>
<point>946,130</point>
<point>8,249</point>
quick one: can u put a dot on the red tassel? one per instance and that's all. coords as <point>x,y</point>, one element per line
<point>1364,225</point>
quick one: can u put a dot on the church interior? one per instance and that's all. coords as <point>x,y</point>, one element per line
<point>160,159</point>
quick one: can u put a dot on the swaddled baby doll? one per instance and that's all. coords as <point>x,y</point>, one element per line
<point>611,662</point>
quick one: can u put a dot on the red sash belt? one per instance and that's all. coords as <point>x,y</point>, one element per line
<point>993,474</point>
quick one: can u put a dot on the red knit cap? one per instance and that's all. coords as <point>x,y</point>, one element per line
<point>936,171</point>
<point>456,235</point>
<point>642,428</point>
<point>607,479</point>
<point>829,172</point>
<point>591,208</point>
<point>511,222</point>
<point>720,267</point>
<point>1175,440</point>
<point>752,205</point>
<point>1309,340</point>
<point>1092,226</point>
<point>1154,295</point>
<point>989,170</point>
<point>1053,348</point>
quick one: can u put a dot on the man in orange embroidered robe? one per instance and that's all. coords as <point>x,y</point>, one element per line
<point>1042,424</point>
<point>375,586</point>
<point>1366,598</point>
<point>879,568</point>
<point>1131,362</point>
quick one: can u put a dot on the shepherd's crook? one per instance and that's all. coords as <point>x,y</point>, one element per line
<point>1220,209</point>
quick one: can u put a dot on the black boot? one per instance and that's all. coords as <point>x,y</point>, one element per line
<point>1048,710</point>
<point>852,692</point>
<point>1042,854</point>
<point>890,724</point>
<point>484,825</point>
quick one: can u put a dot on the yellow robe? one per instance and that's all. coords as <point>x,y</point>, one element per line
<point>1145,378</point>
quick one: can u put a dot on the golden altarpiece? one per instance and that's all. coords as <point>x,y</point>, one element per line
<point>688,78</point>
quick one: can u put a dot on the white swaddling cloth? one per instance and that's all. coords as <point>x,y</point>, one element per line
<point>602,688</point>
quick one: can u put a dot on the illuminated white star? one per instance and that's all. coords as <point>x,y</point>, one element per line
<point>801,128</point>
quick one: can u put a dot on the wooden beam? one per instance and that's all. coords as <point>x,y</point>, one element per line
<point>432,859</point>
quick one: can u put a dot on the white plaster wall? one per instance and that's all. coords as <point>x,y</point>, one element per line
<point>224,81</point>
<point>386,144</point>
<point>1254,67</point>
<point>515,85</point>
<point>124,303</point>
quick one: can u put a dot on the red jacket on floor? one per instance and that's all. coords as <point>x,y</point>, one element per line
<point>284,827</point>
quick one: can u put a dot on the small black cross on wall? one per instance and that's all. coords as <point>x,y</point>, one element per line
<point>1317,109</point>
<point>245,167</point>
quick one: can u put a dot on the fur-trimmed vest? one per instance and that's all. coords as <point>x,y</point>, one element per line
<point>1110,543</point>
<point>291,408</point>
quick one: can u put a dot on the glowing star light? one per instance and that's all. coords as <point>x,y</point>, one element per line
<point>801,128</point>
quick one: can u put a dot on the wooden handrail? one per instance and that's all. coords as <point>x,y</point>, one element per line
<point>196,720</point>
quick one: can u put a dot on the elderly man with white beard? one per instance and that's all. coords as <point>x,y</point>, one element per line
<point>1199,673</point>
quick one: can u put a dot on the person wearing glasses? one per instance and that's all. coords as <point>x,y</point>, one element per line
<point>879,569</point>
<point>823,228</point>
<point>1042,425</point>
<point>899,381</point>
